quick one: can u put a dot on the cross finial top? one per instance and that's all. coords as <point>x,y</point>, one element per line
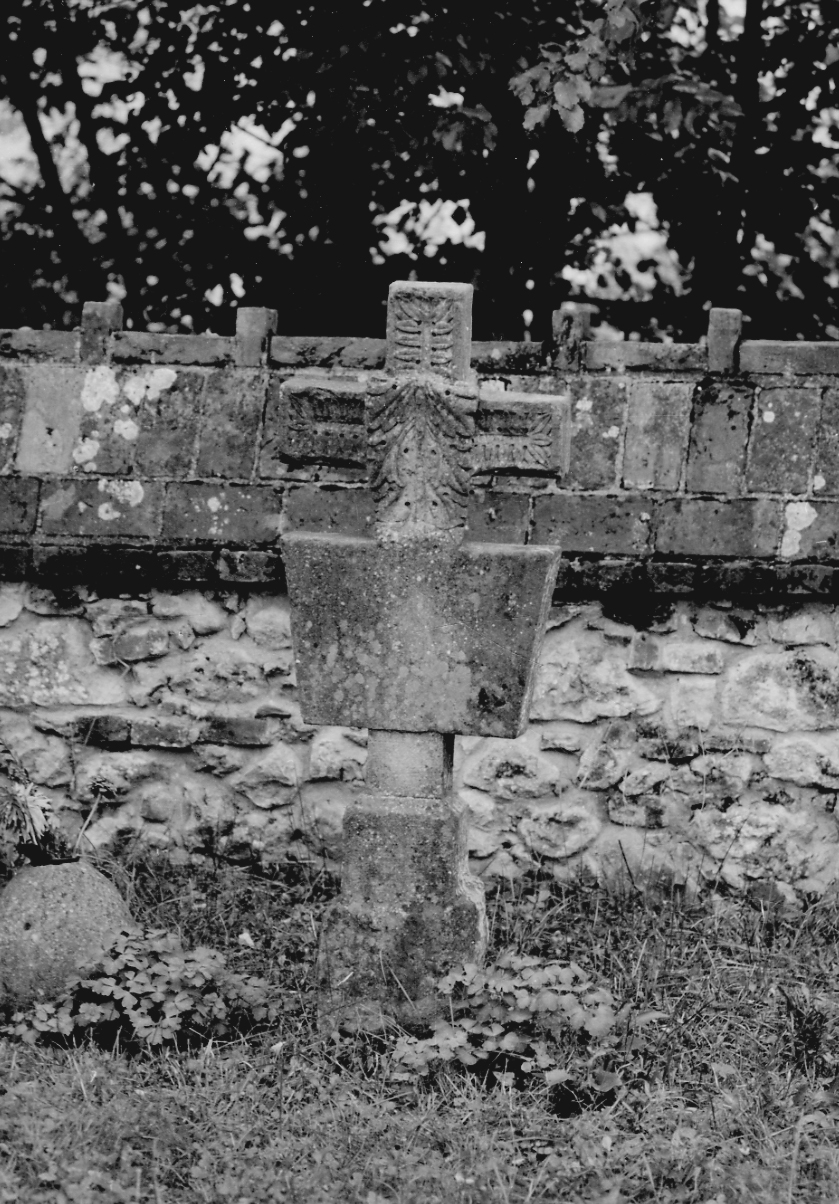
<point>429,329</point>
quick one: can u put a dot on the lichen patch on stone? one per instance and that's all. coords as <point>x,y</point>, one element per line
<point>100,388</point>
<point>127,428</point>
<point>149,383</point>
<point>798,516</point>
<point>86,451</point>
<point>130,493</point>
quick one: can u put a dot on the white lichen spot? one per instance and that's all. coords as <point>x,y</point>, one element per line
<point>798,516</point>
<point>129,493</point>
<point>5,430</point>
<point>584,405</point>
<point>768,415</point>
<point>100,388</point>
<point>86,451</point>
<point>107,512</point>
<point>126,427</point>
<point>645,517</point>
<point>819,482</point>
<point>125,408</point>
<point>214,504</point>
<point>150,383</point>
<point>612,432</point>
<point>492,385</point>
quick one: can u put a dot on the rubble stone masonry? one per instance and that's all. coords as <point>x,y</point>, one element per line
<point>685,721</point>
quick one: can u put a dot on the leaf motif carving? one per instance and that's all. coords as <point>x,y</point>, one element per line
<point>422,334</point>
<point>420,436</point>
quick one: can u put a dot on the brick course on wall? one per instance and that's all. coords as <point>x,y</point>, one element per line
<point>685,723</point>
<point>129,454</point>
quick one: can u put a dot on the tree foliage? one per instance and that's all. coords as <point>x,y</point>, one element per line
<point>197,155</point>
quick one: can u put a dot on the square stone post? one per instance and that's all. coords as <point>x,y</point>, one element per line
<point>417,635</point>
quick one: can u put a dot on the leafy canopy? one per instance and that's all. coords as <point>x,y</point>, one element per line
<point>192,157</point>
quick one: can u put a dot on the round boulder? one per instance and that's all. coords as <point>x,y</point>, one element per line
<point>54,920</point>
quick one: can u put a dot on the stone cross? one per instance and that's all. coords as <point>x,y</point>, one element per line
<point>417,635</point>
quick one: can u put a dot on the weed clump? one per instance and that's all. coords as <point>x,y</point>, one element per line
<point>148,992</point>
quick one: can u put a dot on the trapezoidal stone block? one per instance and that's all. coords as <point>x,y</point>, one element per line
<point>417,637</point>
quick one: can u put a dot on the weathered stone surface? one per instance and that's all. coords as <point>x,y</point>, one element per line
<point>151,730</point>
<point>106,507</point>
<point>705,527</point>
<point>52,418</point>
<point>649,653</point>
<point>644,779</point>
<point>50,664</point>
<point>602,765</point>
<point>94,726</point>
<point>54,920</point>
<point>227,438</point>
<point>561,827</point>
<point>254,732</point>
<point>312,507</point>
<point>782,440</point>
<point>267,781</point>
<point>268,622</point>
<point>725,327</point>
<point>509,770</point>
<point>110,616</point>
<point>757,840</point>
<point>312,419</point>
<point>222,512</point>
<point>12,598</point>
<point>597,416</point>
<point>811,531</point>
<point>562,736</point>
<point>609,525</point>
<point>496,517</point>
<point>203,615</point>
<point>815,625</point>
<point>12,404</point>
<point>693,703</point>
<point>731,626</point>
<point>408,912</point>
<point>717,452</point>
<point>658,417</point>
<point>219,670</point>
<point>141,642</point>
<point>375,650</point>
<point>638,811</point>
<point>587,679</point>
<point>826,460</point>
<point>784,691</point>
<point>112,775</point>
<point>807,760</point>
<point>45,758</point>
<point>514,431</point>
<point>18,505</point>
<point>220,759</point>
<point>734,770</point>
<point>337,752</point>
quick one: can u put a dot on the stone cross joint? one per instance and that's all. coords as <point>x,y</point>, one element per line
<point>420,446</point>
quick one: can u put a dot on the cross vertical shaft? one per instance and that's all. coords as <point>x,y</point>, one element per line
<point>417,635</point>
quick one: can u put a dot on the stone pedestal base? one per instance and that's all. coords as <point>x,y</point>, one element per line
<point>409,911</point>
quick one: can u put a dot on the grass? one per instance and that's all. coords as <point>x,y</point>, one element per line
<point>728,1099</point>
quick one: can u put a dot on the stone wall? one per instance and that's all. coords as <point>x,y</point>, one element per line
<point>685,723</point>
<point>701,748</point>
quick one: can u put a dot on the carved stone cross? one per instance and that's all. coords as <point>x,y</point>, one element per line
<point>415,634</point>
